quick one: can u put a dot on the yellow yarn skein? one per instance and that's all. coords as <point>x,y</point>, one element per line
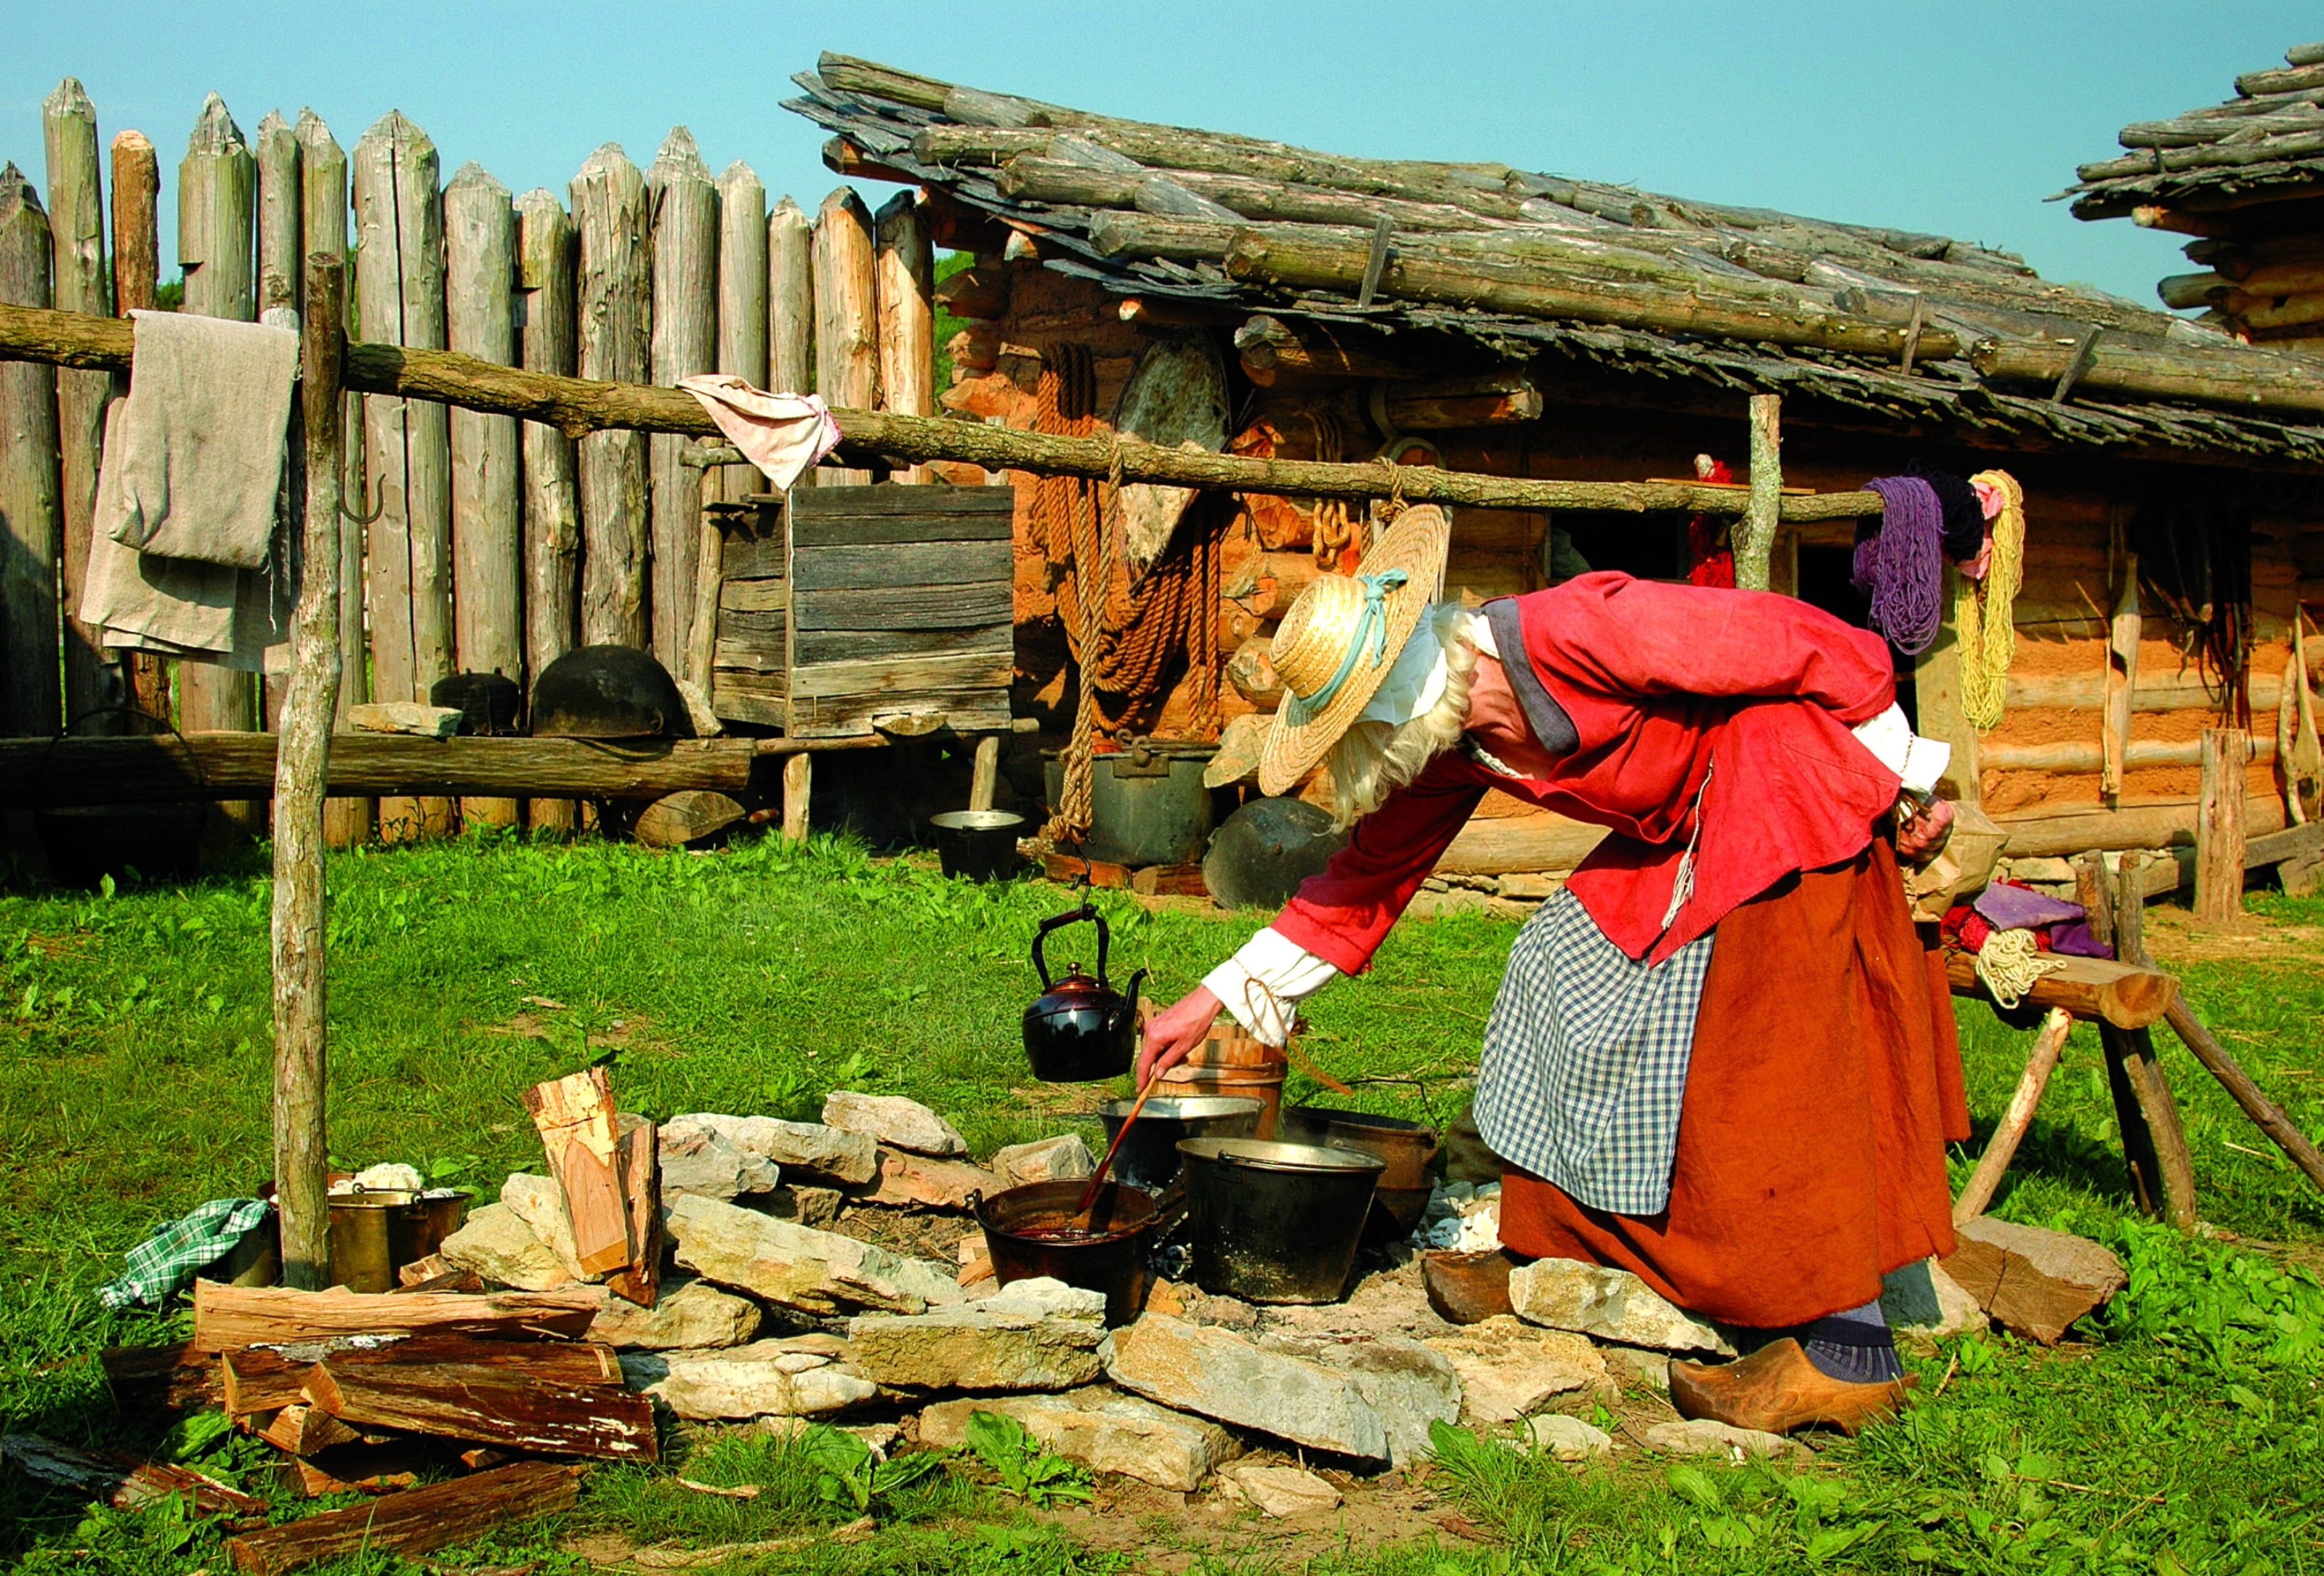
<point>1984,611</point>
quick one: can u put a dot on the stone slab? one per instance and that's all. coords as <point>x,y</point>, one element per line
<point>1101,1429</point>
<point>1606,1304</point>
<point>893,1120</point>
<point>496,1244</point>
<point>1221,1375</point>
<point>798,1268</point>
<point>1508,1367</point>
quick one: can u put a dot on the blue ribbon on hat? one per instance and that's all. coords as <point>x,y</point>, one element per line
<point>1371,630</point>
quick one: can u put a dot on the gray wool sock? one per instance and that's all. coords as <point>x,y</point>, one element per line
<point>1853,1346</point>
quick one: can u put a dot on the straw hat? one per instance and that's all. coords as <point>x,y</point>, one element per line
<point>1341,638</point>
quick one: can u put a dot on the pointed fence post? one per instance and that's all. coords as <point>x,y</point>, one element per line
<point>32,501</point>
<point>218,201</point>
<point>1755,532</point>
<point>684,342</point>
<point>905,279</point>
<point>846,314</point>
<point>790,302</point>
<point>136,288</point>
<point>302,767</point>
<point>407,443</point>
<point>80,284</point>
<point>743,353</point>
<point>547,255</point>
<point>480,284</point>
<point>613,217</point>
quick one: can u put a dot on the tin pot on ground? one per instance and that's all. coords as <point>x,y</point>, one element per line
<point>1408,1149</point>
<point>1037,1230</point>
<point>1275,1222</point>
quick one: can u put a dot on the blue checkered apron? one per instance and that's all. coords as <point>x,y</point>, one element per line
<point>1585,1060</point>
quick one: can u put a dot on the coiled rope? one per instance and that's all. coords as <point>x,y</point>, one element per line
<point>2010,965</point>
<point>1984,611</point>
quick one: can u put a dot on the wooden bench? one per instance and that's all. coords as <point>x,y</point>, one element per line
<point>2124,1000</point>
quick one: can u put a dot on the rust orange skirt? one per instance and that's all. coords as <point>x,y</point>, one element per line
<point>1825,1083</point>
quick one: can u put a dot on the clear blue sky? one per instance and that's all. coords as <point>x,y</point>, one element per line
<point>1958,119</point>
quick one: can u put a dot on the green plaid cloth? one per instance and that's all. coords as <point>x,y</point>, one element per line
<point>165,1261</point>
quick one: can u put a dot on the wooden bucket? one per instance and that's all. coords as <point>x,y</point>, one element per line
<point>1231,1061</point>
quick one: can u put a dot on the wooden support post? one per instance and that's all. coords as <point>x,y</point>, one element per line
<point>846,314</point>
<point>2154,1141</point>
<point>984,776</point>
<point>480,283</point>
<point>2122,634</point>
<point>302,768</point>
<point>323,194</point>
<point>547,260</point>
<point>80,284</point>
<point>136,288</point>
<point>613,217</point>
<point>798,784</point>
<point>282,259</point>
<point>1755,533</point>
<point>790,301</point>
<point>684,342</point>
<point>32,501</point>
<point>1994,1164</point>
<point>2219,828</point>
<point>905,270</point>
<point>218,193</point>
<point>407,443</point>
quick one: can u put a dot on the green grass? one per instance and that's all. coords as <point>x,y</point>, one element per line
<point>2184,1433</point>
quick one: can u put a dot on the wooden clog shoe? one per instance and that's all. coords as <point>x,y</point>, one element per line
<point>1777,1390</point>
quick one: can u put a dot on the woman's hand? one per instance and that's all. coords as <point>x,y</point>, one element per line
<point>1921,828</point>
<point>1172,1033</point>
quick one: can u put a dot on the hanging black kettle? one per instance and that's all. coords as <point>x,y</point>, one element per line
<point>1080,1030</point>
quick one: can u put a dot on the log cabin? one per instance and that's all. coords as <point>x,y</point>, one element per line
<point>1490,318</point>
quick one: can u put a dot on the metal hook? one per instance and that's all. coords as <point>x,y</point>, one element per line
<point>378,506</point>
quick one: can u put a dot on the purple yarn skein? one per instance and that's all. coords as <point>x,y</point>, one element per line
<point>1903,568</point>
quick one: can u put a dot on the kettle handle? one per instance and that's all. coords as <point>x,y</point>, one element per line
<point>1071,916</point>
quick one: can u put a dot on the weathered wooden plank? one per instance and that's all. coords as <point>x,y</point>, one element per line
<point>945,563</point>
<point>771,596</point>
<point>853,716</point>
<point>735,704</point>
<point>228,1317</point>
<point>76,183</point>
<point>888,499</point>
<point>685,341</point>
<point>410,1522</point>
<point>764,656</point>
<point>873,530</point>
<point>512,1409</point>
<point>931,608</point>
<point>611,214</point>
<point>899,675</point>
<point>32,498</point>
<point>813,646</point>
<point>846,314</point>
<point>766,633</point>
<point>755,556</point>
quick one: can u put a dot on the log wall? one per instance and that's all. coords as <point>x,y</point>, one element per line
<point>496,545</point>
<point>2038,770</point>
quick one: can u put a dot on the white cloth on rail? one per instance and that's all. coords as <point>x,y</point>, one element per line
<point>202,444</point>
<point>784,435</point>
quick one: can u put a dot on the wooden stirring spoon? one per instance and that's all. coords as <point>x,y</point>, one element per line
<point>1097,1178</point>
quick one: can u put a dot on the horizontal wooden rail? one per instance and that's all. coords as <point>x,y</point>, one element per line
<point>161,768</point>
<point>578,406</point>
<point>2122,994</point>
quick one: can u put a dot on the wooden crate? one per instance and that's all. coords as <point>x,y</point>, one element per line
<point>853,606</point>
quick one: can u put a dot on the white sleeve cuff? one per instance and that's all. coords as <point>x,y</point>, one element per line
<point>1917,761</point>
<point>1262,985</point>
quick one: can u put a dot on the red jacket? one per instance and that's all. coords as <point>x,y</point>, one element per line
<point>1662,683</point>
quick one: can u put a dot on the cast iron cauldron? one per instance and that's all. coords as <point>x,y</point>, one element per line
<point>1080,1030</point>
<point>608,692</point>
<point>488,703</point>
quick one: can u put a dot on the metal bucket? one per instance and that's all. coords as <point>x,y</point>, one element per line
<point>1407,1148</point>
<point>978,845</point>
<point>1112,1259</point>
<point>1277,1222</point>
<point>1149,1158</point>
<point>375,1234</point>
<point>1147,804</point>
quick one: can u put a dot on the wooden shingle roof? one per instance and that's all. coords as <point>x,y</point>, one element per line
<point>1666,297</point>
<point>2264,144</point>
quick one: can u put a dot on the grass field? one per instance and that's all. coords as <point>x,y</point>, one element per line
<point>2184,1435</point>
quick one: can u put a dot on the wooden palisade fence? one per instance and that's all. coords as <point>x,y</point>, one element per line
<point>492,544</point>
